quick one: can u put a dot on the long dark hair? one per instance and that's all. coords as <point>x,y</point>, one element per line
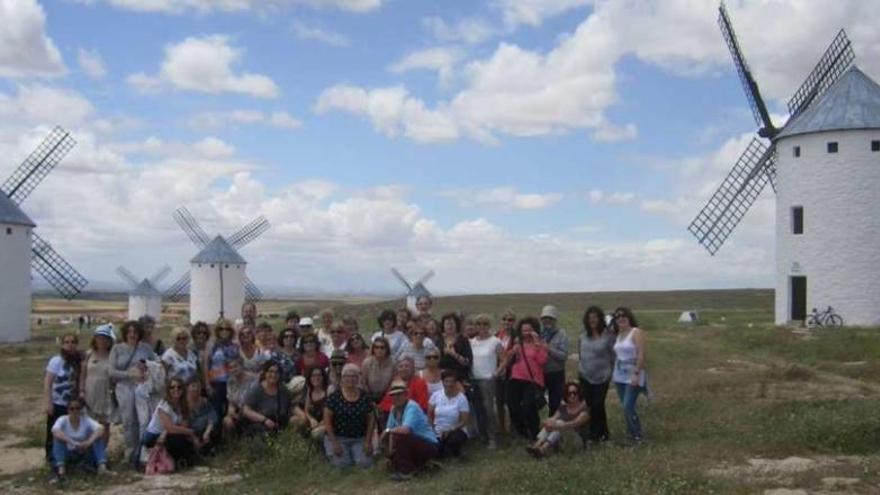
<point>527,320</point>
<point>594,310</point>
<point>72,360</point>
<point>629,316</point>
<point>182,407</point>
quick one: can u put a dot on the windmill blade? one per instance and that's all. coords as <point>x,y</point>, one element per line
<point>837,58</point>
<point>404,281</point>
<point>759,109</point>
<point>178,289</point>
<point>127,275</point>
<point>249,232</point>
<point>748,177</point>
<point>37,165</point>
<point>55,269</point>
<point>426,277</point>
<point>251,292</point>
<point>191,227</point>
<point>159,275</point>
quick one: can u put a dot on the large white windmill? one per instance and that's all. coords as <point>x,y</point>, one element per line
<point>217,282</point>
<point>22,249</point>
<point>824,165</point>
<point>144,298</point>
<point>414,290</point>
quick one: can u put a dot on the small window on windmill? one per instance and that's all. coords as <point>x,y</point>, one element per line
<point>797,220</point>
<point>796,151</point>
<point>875,145</point>
<point>8,230</point>
<point>832,146</point>
<point>212,265</point>
<point>226,267</point>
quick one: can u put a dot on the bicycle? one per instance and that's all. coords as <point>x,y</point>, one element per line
<point>827,318</point>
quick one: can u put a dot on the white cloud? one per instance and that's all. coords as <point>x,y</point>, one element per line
<point>392,111</point>
<point>597,196</point>
<point>207,6</point>
<point>439,59</point>
<point>37,104</point>
<point>92,63</point>
<point>525,92</point>
<point>25,49</point>
<point>313,33</point>
<point>534,12</point>
<point>205,64</point>
<point>506,197</point>
<point>217,120</point>
<point>470,30</point>
<point>208,147</point>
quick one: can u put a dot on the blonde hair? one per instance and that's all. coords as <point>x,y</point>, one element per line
<point>483,317</point>
<point>178,331</point>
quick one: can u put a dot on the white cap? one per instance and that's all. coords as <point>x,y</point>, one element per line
<point>306,322</point>
<point>550,312</point>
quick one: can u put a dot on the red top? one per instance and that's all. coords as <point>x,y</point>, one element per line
<point>418,393</point>
<point>537,356</point>
<point>320,361</point>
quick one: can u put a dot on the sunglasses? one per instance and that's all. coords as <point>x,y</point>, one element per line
<point>74,408</point>
<point>434,356</point>
<point>572,392</point>
<point>181,338</point>
<point>289,336</point>
<point>175,387</point>
<point>620,315</point>
<point>384,347</point>
<point>509,319</point>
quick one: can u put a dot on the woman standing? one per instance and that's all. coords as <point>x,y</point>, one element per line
<point>60,384</point>
<point>168,427</point>
<point>127,368</point>
<point>290,354</point>
<point>455,350</point>
<point>267,406</point>
<point>95,388</point>
<point>222,352</point>
<point>349,422</point>
<point>247,346</point>
<point>595,363</point>
<point>630,377</point>
<point>417,346</point>
<point>504,335</point>
<point>356,350</point>
<point>388,330</point>
<point>201,334</point>
<point>180,361</point>
<point>526,384</point>
<point>378,370</point>
<point>487,358</point>
<point>448,412</point>
<point>432,374</point>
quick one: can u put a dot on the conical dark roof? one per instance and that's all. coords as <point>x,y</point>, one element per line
<point>145,288</point>
<point>218,251</point>
<point>11,214</point>
<point>853,102</point>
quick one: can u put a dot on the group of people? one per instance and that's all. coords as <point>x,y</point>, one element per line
<point>417,389</point>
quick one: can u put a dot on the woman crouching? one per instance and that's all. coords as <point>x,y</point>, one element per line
<point>168,427</point>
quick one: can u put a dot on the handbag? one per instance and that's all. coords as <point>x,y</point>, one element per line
<point>159,461</point>
<point>535,394</point>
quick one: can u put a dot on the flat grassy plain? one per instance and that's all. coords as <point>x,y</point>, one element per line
<point>739,406</point>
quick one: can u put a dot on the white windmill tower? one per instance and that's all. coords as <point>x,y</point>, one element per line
<point>144,299</point>
<point>217,282</point>
<point>824,165</point>
<point>414,290</point>
<point>21,248</point>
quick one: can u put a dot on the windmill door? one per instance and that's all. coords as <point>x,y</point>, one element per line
<point>798,298</point>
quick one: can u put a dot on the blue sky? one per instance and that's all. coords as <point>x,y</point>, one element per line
<point>511,145</point>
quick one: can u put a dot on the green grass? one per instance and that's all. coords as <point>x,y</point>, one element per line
<point>730,388</point>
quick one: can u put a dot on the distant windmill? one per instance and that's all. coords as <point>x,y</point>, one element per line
<point>414,290</point>
<point>823,164</point>
<point>217,283</point>
<point>144,299</point>
<point>21,248</point>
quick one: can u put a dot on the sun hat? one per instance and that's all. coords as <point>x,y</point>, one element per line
<point>397,387</point>
<point>550,312</point>
<point>105,330</point>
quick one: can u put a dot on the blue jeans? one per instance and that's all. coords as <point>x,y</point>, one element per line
<point>628,395</point>
<point>352,452</point>
<point>96,455</point>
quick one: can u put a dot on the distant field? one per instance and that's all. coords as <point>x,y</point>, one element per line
<point>740,406</point>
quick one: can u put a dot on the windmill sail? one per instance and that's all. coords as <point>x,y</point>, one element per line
<point>753,94</point>
<point>178,289</point>
<point>191,227</point>
<point>400,277</point>
<point>715,222</point>
<point>37,165</point>
<point>127,275</point>
<point>249,232</point>
<point>837,58</point>
<point>252,292</point>
<point>58,272</point>
<point>159,275</point>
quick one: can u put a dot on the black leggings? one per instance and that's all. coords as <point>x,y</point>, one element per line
<point>594,396</point>
<point>523,411</point>
<point>452,443</point>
